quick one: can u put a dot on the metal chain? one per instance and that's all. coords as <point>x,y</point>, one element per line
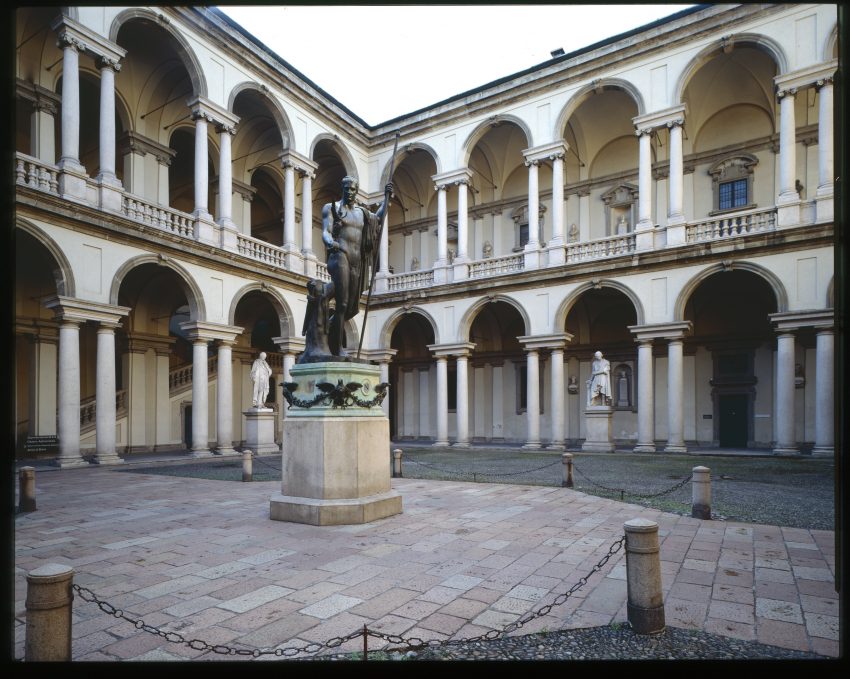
<point>200,645</point>
<point>475,473</point>
<point>413,643</point>
<point>675,487</point>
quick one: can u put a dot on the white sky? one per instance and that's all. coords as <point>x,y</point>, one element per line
<point>385,61</point>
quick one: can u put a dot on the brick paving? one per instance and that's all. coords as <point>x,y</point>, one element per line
<point>202,558</point>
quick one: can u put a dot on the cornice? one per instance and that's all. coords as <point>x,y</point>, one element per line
<point>87,40</point>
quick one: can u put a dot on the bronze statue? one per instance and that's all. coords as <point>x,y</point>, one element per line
<point>350,233</point>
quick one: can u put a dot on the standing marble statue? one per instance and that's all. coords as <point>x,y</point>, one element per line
<point>260,374</point>
<point>599,384</point>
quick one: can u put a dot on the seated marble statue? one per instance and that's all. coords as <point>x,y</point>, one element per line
<point>599,384</point>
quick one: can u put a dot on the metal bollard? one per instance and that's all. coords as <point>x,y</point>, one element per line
<point>643,576</point>
<point>397,453</point>
<point>701,493</point>
<point>567,459</point>
<point>26,492</point>
<point>49,597</point>
<point>247,465</point>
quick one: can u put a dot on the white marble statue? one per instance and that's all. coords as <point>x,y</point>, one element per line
<point>599,384</point>
<point>260,374</point>
<point>487,250</point>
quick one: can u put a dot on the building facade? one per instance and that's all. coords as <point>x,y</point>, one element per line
<point>664,197</point>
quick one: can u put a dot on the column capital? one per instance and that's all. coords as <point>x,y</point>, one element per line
<point>108,62</point>
<point>379,355</point>
<point>823,81</point>
<point>785,92</point>
<point>788,321</point>
<point>210,332</point>
<point>537,342</point>
<point>225,128</point>
<point>649,121</point>
<point>299,163</point>
<point>461,175</point>
<point>80,311</point>
<point>201,107</point>
<point>290,345</point>
<point>550,151</point>
<point>668,331</point>
<point>531,162</point>
<point>804,77</point>
<point>73,34</point>
<point>459,349</point>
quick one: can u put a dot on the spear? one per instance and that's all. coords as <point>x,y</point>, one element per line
<point>377,247</point>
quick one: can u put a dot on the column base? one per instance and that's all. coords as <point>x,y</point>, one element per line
<point>110,458</point>
<point>205,228</point>
<point>556,446</point>
<point>72,180</point>
<point>786,451</point>
<point>788,214</point>
<point>229,237</point>
<point>676,233</point>
<point>532,446</point>
<point>644,448</point>
<point>110,193</point>
<point>460,444</point>
<point>201,453</point>
<point>70,463</point>
<point>460,269</point>
<point>531,257</point>
<point>440,444</point>
<point>675,448</point>
<point>823,451</point>
<point>225,451</point>
<point>557,255</point>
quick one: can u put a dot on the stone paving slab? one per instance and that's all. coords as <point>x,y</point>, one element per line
<point>202,557</point>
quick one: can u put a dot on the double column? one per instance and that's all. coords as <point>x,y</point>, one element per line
<point>462,179</point>
<point>533,345</point>
<point>461,352</point>
<point>71,313</point>
<point>302,259</point>
<point>553,153</point>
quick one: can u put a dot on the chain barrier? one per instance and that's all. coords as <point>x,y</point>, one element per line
<point>623,491</point>
<point>257,458</point>
<point>475,474</point>
<point>401,643</point>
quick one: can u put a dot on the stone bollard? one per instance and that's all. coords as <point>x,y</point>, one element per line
<point>247,465</point>
<point>567,459</point>
<point>643,576</point>
<point>701,493</point>
<point>26,489</point>
<point>49,597</point>
<point>397,453</point>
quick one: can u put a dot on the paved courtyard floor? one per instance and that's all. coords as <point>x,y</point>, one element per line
<point>202,558</point>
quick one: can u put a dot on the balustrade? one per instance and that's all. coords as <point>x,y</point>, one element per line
<point>731,225</point>
<point>496,266</point>
<point>253,248</point>
<point>36,174</point>
<point>410,280</point>
<point>601,248</point>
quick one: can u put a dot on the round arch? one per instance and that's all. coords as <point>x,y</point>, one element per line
<point>284,313</point>
<point>277,111</point>
<point>564,308</point>
<point>341,149</point>
<point>765,44</point>
<point>584,92</point>
<point>482,128</point>
<point>408,149</point>
<point>689,287</point>
<point>829,45</point>
<point>64,275</point>
<point>465,324</point>
<point>194,297</point>
<point>386,334</point>
<point>187,55</point>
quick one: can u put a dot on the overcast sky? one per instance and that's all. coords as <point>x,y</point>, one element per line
<point>384,61</point>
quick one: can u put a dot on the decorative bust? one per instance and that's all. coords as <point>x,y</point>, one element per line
<point>487,250</point>
<point>414,264</point>
<point>573,233</point>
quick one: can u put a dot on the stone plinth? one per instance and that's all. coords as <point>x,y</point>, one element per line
<point>259,430</point>
<point>336,460</point>
<point>598,429</point>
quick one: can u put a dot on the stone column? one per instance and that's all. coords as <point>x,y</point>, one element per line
<point>163,407</point>
<point>224,400</point>
<point>532,400</point>
<point>225,177</point>
<point>644,181</point>
<point>533,205</point>
<point>108,67</point>
<point>42,373</point>
<point>105,395</point>
<point>407,406</point>
<point>442,402</point>
<point>307,214</point>
<point>200,385</point>
<point>424,404</point>
<point>288,205</point>
<point>825,394</point>
<point>787,147</point>
<point>442,234</point>
<point>70,154</point>
<point>675,396</point>
<point>557,199</point>
<point>462,410</point>
<point>498,408</point>
<point>786,443</point>
<point>69,395</point>
<point>462,221</point>
<point>557,386</point>
<point>646,398</point>
<point>826,190</point>
<point>202,179</point>
<point>675,210</point>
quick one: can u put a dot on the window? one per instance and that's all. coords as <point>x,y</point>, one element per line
<point>733,194</point>
<point>523,234</point>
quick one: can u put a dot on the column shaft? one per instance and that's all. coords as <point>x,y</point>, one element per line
<point>384,254</point>
<point>225,179</point>
<point>288,206</point>
<point>107,121</point>
<point>424,405</point>
<point>200,421</point>
<point>785,416</point>
<point>462,410</point>
<point>532,399</point>
<point>201,167</point>
<point>307,214</point>
<point>645,180</point>
<point>224,401</point>
<point>533,206</point>
<point>70,105</point>
<point>557,386</point>
<point>825,132</point>
<point>105,397</point>
<point>676,179</point>
<point>462,222</point>
<point>69,395</point>
<point>442,402</point>
<point>558,199</point>
<point>646,399</point>
<point>675,395</point>
<point>825,390</point>
<point>787,146</point>
<point>442,226</point>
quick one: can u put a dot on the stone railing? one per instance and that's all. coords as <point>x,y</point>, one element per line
<point>322,272</point>
<point>36,174</point>
<point>598,249</point>
<point>254,248</point>
<point>410,280</point>
<point>88,410</point>
<point>181,377</point>
<point>731,225</point>
<point>165,218</point>
<point>496,266</point>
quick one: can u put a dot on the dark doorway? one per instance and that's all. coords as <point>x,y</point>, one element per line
<point>187,427</point>
<point>733,420</point>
